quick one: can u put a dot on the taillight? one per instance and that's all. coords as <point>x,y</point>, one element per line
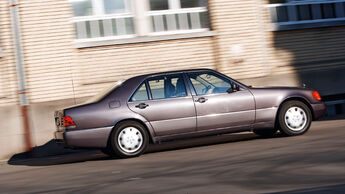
<point>316,95</point>
<point>68,121</point>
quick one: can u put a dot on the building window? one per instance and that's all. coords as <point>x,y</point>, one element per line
<point>116,6</point>
<point>174,16</point>
<point>82,8</point>
<point>299,14</point>
<point>159,4</point>
<point>119,19</point>
<point>103,18</point>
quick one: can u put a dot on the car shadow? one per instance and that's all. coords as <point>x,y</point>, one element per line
<point>205,141</point>
<point>53,154</point>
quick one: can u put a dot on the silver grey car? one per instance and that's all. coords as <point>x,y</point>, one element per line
<point>165,106</point>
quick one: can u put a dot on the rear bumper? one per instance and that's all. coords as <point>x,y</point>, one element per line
<point>319,110</point>
<point>85,138</point>
<point>59,137</point>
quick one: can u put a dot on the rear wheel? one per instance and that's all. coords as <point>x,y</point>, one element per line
<point>265,132</point>
<point>294,118</point>
<point>128,139</point>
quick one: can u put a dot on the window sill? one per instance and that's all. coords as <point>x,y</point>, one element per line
<point>284,26</point>
<point>140,39</point>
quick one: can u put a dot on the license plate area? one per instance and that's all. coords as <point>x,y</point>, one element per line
<point>58,116</point>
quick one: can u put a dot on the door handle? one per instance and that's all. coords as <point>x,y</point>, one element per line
<point>201,100</point>
<point>141,106</point>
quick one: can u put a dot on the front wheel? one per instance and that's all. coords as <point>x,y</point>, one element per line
<point>294,118</point>
<point>128,139</point>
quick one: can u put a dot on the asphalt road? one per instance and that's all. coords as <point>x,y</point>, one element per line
<point>237,163</point>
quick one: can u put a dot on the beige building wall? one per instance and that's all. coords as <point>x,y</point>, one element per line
<point>99,66</point>
<point>304,50</point>
<point>309,56</point>
<point>240,37</point>
<point>59,74</point>
<point>57,70</point>
<point>8,84</point>
<point>11,133</point>
<point>48,35</point>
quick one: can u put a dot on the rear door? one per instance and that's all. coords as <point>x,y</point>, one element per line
<point>219,107</point>
<point>165,102</point>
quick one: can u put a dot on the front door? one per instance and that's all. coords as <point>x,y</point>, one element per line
<point>219,107</point>
<point>165,103</point>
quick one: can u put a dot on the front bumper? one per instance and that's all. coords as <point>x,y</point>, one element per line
<point>84,138</point>
<point>319,110</point>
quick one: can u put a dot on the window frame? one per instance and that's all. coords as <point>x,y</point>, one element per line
<point>98,14</point>
<point>232,81</point>
<point>137,89</point>
<point>220,76</point>
<point>181,75</point>
<point>316,20</point>
<point>142,25</point>
<point>174,7</point>
<point>98,8</point>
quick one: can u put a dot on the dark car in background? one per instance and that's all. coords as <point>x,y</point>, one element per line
<point>166,106</point>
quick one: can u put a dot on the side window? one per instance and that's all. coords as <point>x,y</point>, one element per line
<point>198,86</point>
<point>171,86</point>
<point>209,83</point>
<point>140,94</point>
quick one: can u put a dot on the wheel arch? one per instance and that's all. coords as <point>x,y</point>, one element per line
<point>294,98</point>
<point>147,128</point>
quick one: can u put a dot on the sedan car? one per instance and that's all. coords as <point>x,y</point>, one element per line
<point>165,106</point>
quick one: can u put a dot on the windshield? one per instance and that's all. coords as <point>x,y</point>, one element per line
<point>104,93</point>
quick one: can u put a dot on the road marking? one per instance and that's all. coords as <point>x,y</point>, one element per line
<point>133,179</point>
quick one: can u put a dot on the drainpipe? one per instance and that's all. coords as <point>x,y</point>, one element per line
<point>23,101</point>
<point>215,39</point>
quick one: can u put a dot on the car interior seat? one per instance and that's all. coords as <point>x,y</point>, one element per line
<point>180,88</point>
<point>169,88</point>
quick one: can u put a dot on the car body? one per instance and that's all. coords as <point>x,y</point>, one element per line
<point>180,104</point>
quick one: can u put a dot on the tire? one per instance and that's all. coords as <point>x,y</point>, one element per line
<point>128,139</point>
<point>265,132</point>
<point>294,118</point>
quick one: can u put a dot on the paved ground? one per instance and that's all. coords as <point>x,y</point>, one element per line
<point>238,163</point>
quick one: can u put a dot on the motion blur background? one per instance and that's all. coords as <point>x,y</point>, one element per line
<point>70,50</point>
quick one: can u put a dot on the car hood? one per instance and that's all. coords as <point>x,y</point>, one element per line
<point>279,88</point>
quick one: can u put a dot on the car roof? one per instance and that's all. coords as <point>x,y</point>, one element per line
<point>172,72</point>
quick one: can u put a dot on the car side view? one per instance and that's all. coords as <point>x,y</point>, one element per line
<point>166,106</point>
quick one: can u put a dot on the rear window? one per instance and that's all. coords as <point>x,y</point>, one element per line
<point>140,94</point>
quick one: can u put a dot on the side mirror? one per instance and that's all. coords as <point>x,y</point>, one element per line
<point>234,88</point>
